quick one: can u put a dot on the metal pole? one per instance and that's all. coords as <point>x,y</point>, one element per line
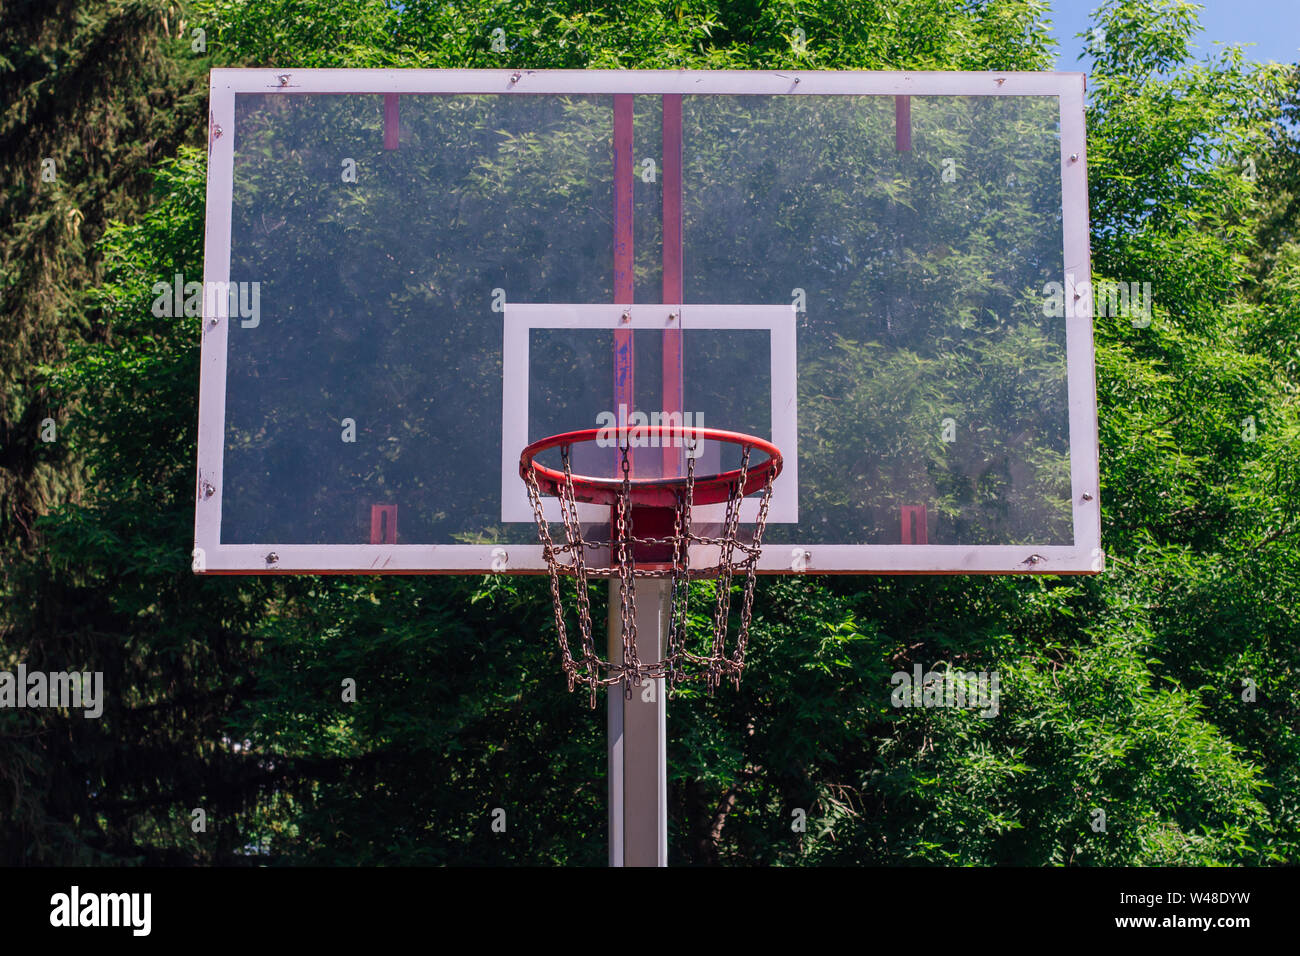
<point>614,720</point>
<point>638,751</point>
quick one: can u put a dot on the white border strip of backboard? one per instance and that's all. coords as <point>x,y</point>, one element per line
<point>651,82</point>
<point>777,320</point>
<point>212,362</point>
<point>1085,472</point>
<point>1083,557</point>
<point>527,558</point>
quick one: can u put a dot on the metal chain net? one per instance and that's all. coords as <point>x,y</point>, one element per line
<point>711,660</point>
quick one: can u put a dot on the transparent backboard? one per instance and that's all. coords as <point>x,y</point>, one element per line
<point>411,275</point>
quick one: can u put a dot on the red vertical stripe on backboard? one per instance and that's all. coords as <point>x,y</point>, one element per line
<point>623,265</point>
<point>623,275</point>
<point>390,121</point>
<point>673,388</point>
<point>903,123</point>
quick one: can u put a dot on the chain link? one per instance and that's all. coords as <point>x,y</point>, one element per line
<point>573,535</point>
<point>548,552</point>
<point>734,555</point>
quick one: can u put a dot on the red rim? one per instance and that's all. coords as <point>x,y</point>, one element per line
<point>653,492</point>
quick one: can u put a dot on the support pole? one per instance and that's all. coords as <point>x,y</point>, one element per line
<point>638,751</point>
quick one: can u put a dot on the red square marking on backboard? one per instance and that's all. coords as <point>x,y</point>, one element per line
<point>383,524</point>
<point>914,525</point>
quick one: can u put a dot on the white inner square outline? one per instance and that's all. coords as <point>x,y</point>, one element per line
<point>777,320</point>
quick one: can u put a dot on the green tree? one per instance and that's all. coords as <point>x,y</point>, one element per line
<point>95,94</point>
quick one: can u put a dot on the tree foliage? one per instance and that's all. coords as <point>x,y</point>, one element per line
<point>94,94</point>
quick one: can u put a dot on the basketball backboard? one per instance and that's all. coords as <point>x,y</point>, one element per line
<point>413,274</point>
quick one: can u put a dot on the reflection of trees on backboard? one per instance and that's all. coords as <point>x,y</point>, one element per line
<point>380,300</point>
<point>924,301</point>
<point>923,292</point>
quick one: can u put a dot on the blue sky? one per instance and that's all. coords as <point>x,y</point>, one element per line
<point>1272,25</point>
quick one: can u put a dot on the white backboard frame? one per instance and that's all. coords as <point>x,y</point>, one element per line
<point>1083,557</point>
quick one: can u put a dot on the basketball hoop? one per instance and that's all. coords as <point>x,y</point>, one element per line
<point>664,505</point>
